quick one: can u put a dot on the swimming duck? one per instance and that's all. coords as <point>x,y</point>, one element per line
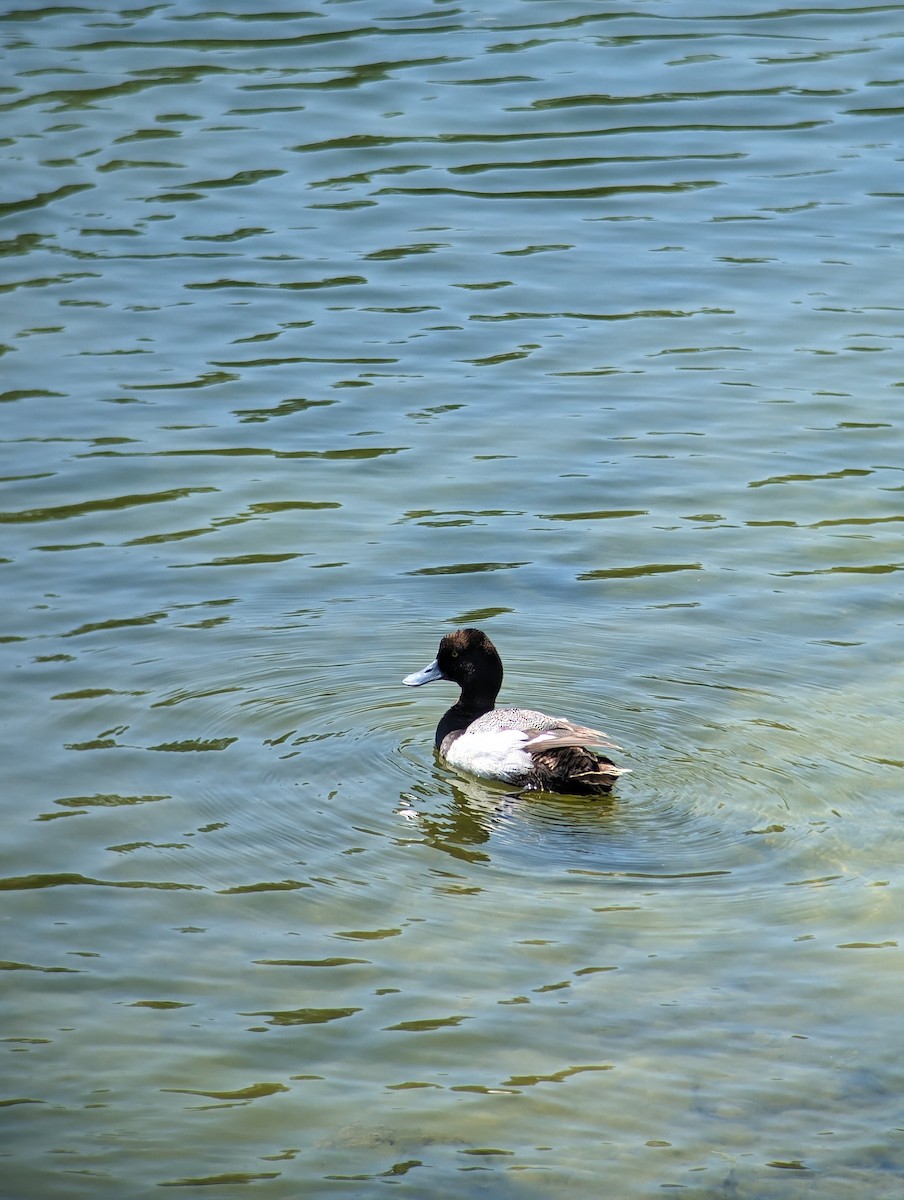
<point>518,745</point>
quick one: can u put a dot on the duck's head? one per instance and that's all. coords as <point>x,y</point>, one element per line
<point>466,657</point>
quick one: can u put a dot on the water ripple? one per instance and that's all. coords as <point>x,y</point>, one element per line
<point>570,324</point>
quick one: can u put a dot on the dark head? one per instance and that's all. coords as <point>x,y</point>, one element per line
<point>466,657</point>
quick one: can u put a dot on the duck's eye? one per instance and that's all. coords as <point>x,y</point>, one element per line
<point>455,654</point>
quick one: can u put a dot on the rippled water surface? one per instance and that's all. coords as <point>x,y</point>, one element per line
<point>328,329</point>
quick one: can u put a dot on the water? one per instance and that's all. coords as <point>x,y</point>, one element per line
<point>328,329</point>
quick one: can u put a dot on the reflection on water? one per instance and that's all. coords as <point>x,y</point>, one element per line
<point>328,327</point>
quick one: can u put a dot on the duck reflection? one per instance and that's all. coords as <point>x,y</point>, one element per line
<point>477,814</point>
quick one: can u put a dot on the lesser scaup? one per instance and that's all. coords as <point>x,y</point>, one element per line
<point>518,745</point>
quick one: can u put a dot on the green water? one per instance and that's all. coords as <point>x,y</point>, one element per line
<point>329,329</point>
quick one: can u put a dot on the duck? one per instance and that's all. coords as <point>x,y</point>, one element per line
<point>519,746</point>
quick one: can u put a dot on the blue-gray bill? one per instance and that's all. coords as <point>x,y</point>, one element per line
<point>428,675</point>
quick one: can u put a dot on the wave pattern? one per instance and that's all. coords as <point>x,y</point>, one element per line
<point>331,327</point>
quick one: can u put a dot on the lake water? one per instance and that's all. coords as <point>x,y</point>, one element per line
<point>329,329</point>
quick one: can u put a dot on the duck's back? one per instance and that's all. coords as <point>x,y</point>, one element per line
<point>525,720</point>
<point>541,731</point>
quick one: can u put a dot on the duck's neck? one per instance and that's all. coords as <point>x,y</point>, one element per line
<point>462,713</point>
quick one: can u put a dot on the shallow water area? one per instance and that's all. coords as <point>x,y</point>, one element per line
<point>331,329</point>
